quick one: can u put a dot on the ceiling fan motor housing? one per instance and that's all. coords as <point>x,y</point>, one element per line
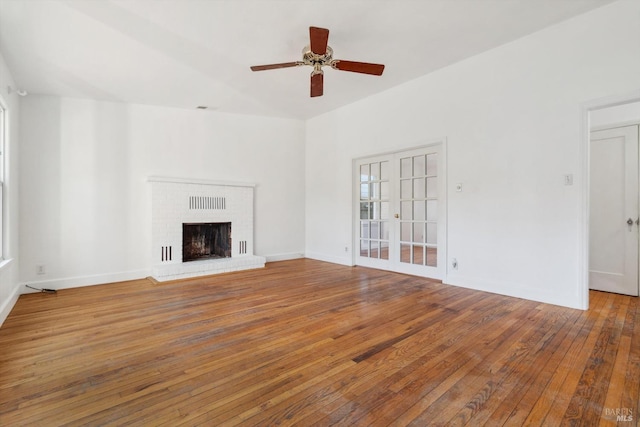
<point>317,61</point>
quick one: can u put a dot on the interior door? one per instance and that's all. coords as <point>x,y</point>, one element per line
<point>373,186</point>
<point>418,212</point>
<point>400,212</point>
<point>613,223</point>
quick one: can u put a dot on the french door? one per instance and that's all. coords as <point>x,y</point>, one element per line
<point>400,212</point>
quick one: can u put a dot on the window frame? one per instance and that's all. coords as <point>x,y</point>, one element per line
<point>4,136</point>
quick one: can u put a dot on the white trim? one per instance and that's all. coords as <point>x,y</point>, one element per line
<point>616,125</point>
<point>4,165</point>
<point>4,110</point>
<point>80,281</point>
<point>199,181</point>
<point>329,258</point>
<point>422,144</point>
<point>583,219</point>
<point>4,263</point>
<point>444,245</point>
<point>583,214</point>
<point>513,290</point>
<point>355,195</point>
<point>284,257</point>
<point>9,303</point>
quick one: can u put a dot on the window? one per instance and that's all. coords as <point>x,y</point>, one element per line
<point>3,137</point>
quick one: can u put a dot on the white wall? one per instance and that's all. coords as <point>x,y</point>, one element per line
<point>85,200</point>
<point>512,119</point>
<point>9,289</point>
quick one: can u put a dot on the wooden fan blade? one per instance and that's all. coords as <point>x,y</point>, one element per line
<point>319,39</point>
<point>274,66</point>
<point>317,85</point>
<point>359,67</point>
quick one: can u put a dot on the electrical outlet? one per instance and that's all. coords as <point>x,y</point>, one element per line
<point>40,269</point>
<point>346,248</point>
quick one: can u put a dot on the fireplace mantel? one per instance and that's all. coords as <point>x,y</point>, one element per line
<point>177,201</point>
<point>177,180</point>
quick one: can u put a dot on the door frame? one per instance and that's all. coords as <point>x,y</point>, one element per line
<point>442,185</point>
<point>584,174</point>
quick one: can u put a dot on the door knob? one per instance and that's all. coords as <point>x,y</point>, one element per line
<point>396,216</point>
<point>630,221</point>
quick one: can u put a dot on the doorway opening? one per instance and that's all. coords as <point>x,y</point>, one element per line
<point>612,197</point>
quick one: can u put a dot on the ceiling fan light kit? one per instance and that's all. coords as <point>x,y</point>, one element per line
<point>319,54</point>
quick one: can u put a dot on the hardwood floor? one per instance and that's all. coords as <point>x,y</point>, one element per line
<point>305,343</point>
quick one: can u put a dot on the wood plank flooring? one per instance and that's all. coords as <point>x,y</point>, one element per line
<point>307,343</point>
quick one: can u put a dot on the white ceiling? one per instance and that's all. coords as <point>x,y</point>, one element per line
<point>185,53</point>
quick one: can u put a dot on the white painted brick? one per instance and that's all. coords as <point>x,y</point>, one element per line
<point>170,204</point>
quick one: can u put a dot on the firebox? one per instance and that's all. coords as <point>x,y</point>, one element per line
<point>206,240</point>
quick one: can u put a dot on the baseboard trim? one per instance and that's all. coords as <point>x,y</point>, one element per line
<point>9,303</point>
<point>80,281</point>
<point>512,290</point>
<point>330,258</point>
<point>284,257</point>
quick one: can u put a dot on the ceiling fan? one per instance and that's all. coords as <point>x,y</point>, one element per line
<point>318,54</point>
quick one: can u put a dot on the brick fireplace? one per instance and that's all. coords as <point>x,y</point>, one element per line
<point>201,228</point>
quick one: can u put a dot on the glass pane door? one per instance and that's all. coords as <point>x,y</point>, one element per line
<point>399,212</point>
<point>419,209</point>
<point>373,233</point>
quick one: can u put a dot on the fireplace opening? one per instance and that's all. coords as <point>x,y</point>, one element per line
<point>206,241</point>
